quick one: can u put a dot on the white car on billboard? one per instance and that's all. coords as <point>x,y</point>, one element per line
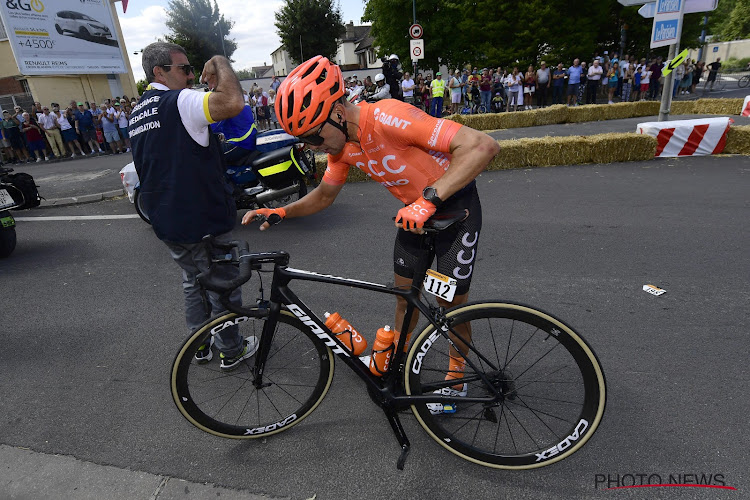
<point>69,21</point>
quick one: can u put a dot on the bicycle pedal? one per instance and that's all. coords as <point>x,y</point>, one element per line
<point>489,414</point>
<point>449,408</point>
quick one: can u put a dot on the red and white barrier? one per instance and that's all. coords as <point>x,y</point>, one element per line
<point>704,136</point>
<point>746,107</point>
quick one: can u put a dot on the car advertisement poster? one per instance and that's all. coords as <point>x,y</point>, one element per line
<point>52,37</point>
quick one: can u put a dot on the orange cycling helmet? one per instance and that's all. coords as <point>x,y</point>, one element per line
<point>305,97</point>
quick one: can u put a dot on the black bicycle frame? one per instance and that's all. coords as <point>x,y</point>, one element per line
<point>386,386</point>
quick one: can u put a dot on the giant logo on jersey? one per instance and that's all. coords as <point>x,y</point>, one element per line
<point>390,120</point>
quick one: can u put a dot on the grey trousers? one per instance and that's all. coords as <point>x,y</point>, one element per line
<point>194,259</point>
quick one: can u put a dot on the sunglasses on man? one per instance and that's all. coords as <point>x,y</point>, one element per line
<point>313,139</point>
<point>187,68</point>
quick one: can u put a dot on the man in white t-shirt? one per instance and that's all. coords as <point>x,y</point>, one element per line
<point>179,164</point>
<point>407,86</point>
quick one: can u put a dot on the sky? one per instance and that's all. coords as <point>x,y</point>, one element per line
<point>253,30</point>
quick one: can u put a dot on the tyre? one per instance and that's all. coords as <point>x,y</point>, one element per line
<point>296,377</point>
<point>742,83</point>
<point>59,29</point>
<point>138,202</point>
<point>543,386</point>
<point>84,33</point>
<point>7,241</point>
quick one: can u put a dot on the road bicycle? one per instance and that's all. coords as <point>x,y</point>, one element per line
<point>535,391</point>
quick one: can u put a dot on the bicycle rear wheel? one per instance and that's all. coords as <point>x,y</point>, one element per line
<point>547,387</point>
<point>742,82</point>
<point>296,377</point>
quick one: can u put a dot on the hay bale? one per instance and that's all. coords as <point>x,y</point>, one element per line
<point>738,140</point>
<point>612,147</point>
<point>682,107</point>
<point>552,115</point>
<point>726,106</point>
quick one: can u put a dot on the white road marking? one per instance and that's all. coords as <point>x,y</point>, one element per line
<point>78,217</point>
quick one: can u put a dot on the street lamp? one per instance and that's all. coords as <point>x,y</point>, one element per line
<point>221,33</point>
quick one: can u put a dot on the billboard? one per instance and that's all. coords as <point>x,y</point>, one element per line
<point>50,37</point>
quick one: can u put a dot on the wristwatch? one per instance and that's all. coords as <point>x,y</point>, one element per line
<point>430,195</point>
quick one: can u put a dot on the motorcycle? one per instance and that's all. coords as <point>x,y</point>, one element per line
<point>273,176</point>
<point>17,191</point>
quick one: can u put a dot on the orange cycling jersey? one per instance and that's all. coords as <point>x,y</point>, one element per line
<point>400,146</point>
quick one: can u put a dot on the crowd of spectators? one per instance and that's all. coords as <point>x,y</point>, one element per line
<point>603,79</point>
<point>45,133</point>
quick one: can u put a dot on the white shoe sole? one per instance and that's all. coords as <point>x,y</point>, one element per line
<point>206,359</point>
<point>438,408</point>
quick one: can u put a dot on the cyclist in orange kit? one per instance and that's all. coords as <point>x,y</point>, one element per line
<point>428,163</point>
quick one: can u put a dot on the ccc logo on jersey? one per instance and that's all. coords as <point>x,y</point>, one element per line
<point>372,165</point>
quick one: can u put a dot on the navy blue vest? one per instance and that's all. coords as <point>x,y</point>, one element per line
<point>183,188</point>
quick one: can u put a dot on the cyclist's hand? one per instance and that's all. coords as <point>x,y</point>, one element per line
<point>413,217</point>
<point>268,216</point>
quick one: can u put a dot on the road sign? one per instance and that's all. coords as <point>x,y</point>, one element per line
<point>675,62</point>
<point>691,6</point>
<point>667,23</point>
<point>416,48</point>
<point>415,31</point>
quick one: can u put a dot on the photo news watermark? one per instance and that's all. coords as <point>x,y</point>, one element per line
<point>653,480</point>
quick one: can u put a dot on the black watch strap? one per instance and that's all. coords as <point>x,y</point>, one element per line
<point>430,194</point>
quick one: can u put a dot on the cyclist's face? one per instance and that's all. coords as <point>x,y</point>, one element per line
<point>333,138</point>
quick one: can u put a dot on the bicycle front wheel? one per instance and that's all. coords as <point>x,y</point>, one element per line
<point>296,376</point>
<point>543,386</point>
<point>742,83</point>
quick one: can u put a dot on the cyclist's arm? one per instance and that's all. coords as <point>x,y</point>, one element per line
<point>471,152</point>
<point>318,199</point>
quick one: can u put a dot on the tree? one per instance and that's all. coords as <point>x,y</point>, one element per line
<point>490,33</point>
<point>197,26</point>
<point>309,27</point>
<point>737,25</point>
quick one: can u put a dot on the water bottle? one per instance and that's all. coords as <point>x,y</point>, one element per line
<point>382,350</point>
<point>346,333</point>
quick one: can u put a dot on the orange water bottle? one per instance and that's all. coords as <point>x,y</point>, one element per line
<point>346,333</point>
<point>382,350</point>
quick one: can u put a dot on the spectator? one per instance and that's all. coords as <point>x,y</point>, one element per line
<point>122,115</point>
<point>627,84</point>
<point>34,137</point>
<point>593,77</point>
<point>437,86</point>
<point>645,81</point>
<point>485,90</point>
<point>393,76</point>
<point>69,135</point>
<point>574,80</point>
<point>653,87</point>
<point>109,127</point>
<point>48,121</point>
<point>542,84</point>
<point>96,112</point>
<point>18,112</point>
<point>558,84</point>
<point>465,81</point>
<point>456,90</point>
<point>583,84</point>
<point>426,93</point>
<point>84,123</point>
<point>713,70</point>
<point>407,88</point>
<point>370,87</point>
<point>513,83</point>
<point>275,83</point>
<point>679,74</point>
<point>697,73</point>
<point>687,79</point>
<point>612,78</point>
<point>529,87</point>
<point>11,138</point>
<point>272,108</point>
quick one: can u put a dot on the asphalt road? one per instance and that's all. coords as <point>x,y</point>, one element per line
<point>92,318</point>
